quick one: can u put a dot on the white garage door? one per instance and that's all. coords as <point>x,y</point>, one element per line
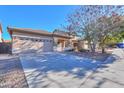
<point>29,45</point>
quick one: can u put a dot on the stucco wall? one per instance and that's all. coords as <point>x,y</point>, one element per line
<point>83,45</point>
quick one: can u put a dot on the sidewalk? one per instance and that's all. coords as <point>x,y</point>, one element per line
<point>111,76</point>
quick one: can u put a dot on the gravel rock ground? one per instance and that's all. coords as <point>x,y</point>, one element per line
<point>11,72</point>
<point>96,56</point>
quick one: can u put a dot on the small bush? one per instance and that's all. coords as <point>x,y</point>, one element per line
<point>70,50</point>
<point>84,50</point>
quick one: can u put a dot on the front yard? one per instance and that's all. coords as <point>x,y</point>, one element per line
<point>95,56</point>
<point>11,72</point>
<point>63,70</point>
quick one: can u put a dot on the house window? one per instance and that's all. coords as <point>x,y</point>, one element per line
<point>44,40</point>
<point>47,40</point>
<point>26,39</point>
<point>50,40</point>
<point>38,40</point>
<point>32,39</point>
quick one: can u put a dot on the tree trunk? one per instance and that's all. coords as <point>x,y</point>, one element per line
<point>91,47</point>
<point>103,50</point>
<point>94,48</point>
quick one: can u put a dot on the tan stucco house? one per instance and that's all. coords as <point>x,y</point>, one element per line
<point>28,40</point>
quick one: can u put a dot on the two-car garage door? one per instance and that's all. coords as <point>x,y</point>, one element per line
<point>31,45</point>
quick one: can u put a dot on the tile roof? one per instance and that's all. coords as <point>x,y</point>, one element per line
<point>33,31</point>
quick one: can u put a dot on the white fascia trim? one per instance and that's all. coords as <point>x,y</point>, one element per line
<point>31,37</point>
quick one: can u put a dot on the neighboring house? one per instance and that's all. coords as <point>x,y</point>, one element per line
<point>29,40</point>
<point>5,45</point>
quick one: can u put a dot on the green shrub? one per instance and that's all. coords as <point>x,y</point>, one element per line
<point>84,50</point>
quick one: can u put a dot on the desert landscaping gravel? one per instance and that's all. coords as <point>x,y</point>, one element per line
<point>11,72</point>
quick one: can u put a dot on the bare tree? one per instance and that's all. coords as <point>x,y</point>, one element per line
<point>95,22</point>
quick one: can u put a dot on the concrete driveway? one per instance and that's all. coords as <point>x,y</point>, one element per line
<point>63,70</point>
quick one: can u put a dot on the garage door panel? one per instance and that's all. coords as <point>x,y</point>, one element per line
<point>27,46</point>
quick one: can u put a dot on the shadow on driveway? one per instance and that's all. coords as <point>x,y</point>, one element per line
<point>60,70</point>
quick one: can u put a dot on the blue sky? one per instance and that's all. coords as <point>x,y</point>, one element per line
<point>35,17</point>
